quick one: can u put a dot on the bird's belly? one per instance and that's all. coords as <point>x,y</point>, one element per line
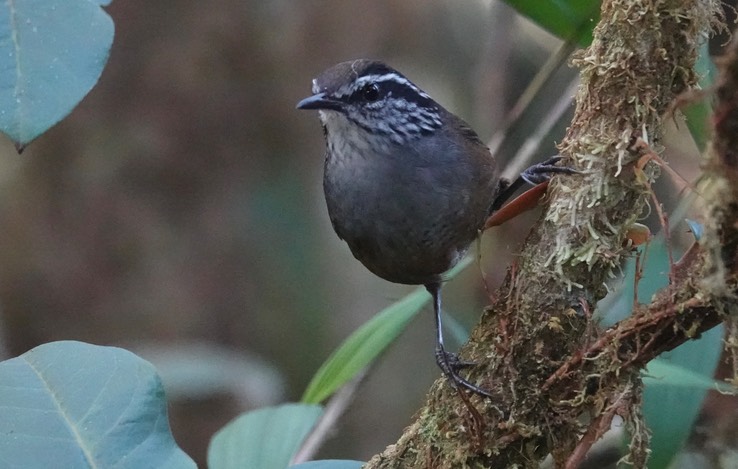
<point>404,262</point>
<point>403,236</point>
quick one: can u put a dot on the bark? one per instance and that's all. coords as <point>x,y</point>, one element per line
<point>558,380</point>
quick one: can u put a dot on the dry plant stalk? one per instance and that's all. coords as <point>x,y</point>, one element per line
<point>557,380</point>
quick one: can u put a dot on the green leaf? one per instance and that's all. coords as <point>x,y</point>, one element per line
<point>655,268</point>
<point>71,404</point>
<point>363,346</point>
<point>52,53</point>
<point>671,384</point>
<point>368,342</point>
<point>698,113</point>
<point>329,464</point>
<point>567,19</point>
<point>265,438</point>
<point>671,410</point>
<point>660,372</point>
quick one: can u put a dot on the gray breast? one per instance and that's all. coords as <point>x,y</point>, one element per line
<point>408,218</point>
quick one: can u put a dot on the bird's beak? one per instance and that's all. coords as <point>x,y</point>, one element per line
<point>320,101</point>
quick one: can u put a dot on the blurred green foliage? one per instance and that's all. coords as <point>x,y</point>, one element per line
<point>180,203</point>
<point>570,20</point>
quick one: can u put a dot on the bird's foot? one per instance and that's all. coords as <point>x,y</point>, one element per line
<point>450,364</point>
<point>542,172</point>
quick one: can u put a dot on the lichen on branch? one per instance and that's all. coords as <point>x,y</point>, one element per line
<point>532,341</point>
<point>641,59</point>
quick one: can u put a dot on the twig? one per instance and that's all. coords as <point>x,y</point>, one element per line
<point>333,411</point>
<point>597,429</point>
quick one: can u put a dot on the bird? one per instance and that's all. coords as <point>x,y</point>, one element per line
<point>408,184</point>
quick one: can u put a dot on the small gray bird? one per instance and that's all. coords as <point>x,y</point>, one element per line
<point>408,184</point>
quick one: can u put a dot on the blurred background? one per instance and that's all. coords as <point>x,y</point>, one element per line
<point>178,211</point>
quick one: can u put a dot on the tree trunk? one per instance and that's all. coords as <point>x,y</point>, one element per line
<point>558,380</point>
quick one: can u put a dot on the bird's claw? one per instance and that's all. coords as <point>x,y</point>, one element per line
<point>450,364</point>
<point>542,172</point>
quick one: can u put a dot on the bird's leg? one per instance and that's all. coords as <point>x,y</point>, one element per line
<point>535,175</point>
<point>448,362</point>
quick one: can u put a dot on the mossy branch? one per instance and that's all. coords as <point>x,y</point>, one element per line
<point>540,354</point>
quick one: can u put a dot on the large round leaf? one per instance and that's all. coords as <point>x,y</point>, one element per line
<point>52,53</point>
<point>265,438</point>
<point>330,464</point>
<point>70,404</point>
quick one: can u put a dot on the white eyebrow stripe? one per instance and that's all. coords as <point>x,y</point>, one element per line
<point>387,77</point>
<point>359,82</point>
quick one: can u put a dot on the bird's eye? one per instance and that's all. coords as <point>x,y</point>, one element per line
<point>370,92</point>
